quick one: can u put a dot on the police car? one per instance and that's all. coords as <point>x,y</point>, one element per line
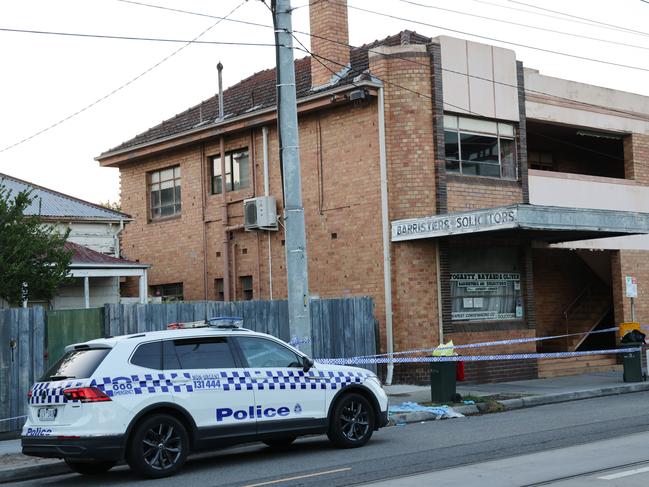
<point>152,398</point>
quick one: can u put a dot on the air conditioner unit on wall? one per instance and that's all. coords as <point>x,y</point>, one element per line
<point>260,213</point>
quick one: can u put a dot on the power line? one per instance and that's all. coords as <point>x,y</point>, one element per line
<point>560,53</point>
<point>130,38</point>
<point>581,18</point>
<point>590,23</point>
<point>407,59</point>
<point>121,87</point>
<point>529,26</point>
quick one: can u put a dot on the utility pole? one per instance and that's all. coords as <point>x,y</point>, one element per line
<point>299,317</point>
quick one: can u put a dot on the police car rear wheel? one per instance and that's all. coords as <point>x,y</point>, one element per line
<point>159,446</point>
<point>280,442</point>
<point>90,468</point>
<point>352,422</point>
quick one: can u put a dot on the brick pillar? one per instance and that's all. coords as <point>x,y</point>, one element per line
<point>328,23</point>
<point>636,158</point>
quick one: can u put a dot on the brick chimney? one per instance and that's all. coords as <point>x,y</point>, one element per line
<point>328,21</point>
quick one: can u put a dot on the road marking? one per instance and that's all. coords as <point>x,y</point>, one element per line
<point>619,475</point>
<point>288,479</point>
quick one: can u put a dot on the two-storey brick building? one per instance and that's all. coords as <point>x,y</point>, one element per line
<point>468,195</point>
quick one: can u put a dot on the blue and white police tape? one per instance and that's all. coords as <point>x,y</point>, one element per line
<point>469,358</point>
<point>489,344</point>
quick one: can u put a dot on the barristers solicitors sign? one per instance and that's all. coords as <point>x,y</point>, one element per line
<point>458,223</point>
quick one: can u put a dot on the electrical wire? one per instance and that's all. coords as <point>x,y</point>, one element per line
<point>121,87</point>
<point>633,31</point>
<point>591,23</point>
<point>495,39</point>
<point>407,59</point>
<point>130,38</point>
<point>529,26</point>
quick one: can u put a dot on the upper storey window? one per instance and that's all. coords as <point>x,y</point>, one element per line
<point>237,171</point>
<point>479,147</point>
<point>164,193</point>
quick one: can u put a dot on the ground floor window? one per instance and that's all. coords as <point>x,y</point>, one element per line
<point>246,287</point>
<point>485,284</point>
<point>168,292</point>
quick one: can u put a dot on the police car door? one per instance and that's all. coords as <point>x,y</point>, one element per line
<point>286,397</point>
<point>210,384</point>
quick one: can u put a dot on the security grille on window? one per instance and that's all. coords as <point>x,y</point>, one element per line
<point>164,191</point>
<point>237,171</point>
<point>479,147</point>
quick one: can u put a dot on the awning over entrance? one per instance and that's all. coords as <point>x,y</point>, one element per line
<point>546,223</point>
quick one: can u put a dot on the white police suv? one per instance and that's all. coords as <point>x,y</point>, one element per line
<point>152,398</point>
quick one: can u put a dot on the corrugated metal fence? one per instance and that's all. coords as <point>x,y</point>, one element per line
<point>339,328</point>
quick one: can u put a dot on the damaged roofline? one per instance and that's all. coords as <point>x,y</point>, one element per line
<point>221,126</point>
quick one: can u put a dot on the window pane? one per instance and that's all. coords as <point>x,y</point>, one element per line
<point>167,211</point>
<point>167,196</point>
<point>479,148</point>
<point>169,357</point>
<point>166,174</point>
<point>155,213</point>
<point>451,144</point>
<point>491,170</point>
<point>260,352</point>
<point>507,159</point>
<point>474,125</point>
<point>450,122</point>
<point>470,168</point>
<point>155,199</point>
<point>155,177</point>
<point>77,364</point>
<point>216,166</point>
<point>148,355</point>
<point>452,166</point>
<point>177,194</point>
<point>228,181</point>
<point>505,129</point>
<point>241,168</point>
<point>177,172</point>
<point>216,185</point>
<point>204,353</point>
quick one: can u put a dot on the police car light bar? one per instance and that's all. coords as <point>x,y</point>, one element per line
<point>189,324</point>
<point>225,322</point>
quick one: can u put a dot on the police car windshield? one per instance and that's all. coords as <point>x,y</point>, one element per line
<point>76,364</point>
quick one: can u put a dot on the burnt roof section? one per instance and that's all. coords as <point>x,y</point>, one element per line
<point>258,92</point>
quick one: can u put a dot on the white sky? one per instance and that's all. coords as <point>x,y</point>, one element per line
<point>46,78</point>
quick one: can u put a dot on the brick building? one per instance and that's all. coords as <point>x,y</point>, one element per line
<point>513,204</point>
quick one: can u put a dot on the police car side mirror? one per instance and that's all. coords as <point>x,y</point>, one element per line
<point>307,363</point>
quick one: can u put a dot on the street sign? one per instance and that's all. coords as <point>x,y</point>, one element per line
<point>631,287</point>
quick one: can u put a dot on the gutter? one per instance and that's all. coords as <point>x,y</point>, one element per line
<point>222,124</point>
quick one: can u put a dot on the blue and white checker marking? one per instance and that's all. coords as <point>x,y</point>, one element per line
<point>51,392</point>
<point>230,380</point>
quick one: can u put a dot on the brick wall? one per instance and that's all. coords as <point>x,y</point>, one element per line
<point>472,193</point>
<point>636,157</point>
<point>630,263</point>
<point>328,20</point>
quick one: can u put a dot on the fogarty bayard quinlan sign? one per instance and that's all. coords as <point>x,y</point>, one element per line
<point>458,223</point>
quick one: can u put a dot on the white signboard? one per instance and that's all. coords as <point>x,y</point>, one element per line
<point>631,287</point>
<point>458,223</point>
<point>475,289</point>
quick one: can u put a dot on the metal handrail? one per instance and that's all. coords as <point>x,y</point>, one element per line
<point>573,305</point>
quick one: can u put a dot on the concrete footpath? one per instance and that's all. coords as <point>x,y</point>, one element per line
<point>489,398</point>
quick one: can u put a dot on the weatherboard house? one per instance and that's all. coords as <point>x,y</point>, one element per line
<point>96,267</point>
<point>473,198</point>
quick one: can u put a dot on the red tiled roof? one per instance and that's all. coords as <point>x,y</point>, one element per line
<point>84,256</point>
<point>258,91</point>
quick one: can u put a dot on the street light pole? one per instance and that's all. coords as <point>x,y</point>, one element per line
<point>295,234</point>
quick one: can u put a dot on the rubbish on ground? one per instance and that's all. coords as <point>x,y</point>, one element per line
<point>468,402</point>
<point>440,412</point>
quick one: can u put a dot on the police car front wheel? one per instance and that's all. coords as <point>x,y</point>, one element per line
<point>352,422</point>
<point>159,446</point>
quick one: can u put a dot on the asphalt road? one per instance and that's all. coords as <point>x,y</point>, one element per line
<point>399,452</point>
